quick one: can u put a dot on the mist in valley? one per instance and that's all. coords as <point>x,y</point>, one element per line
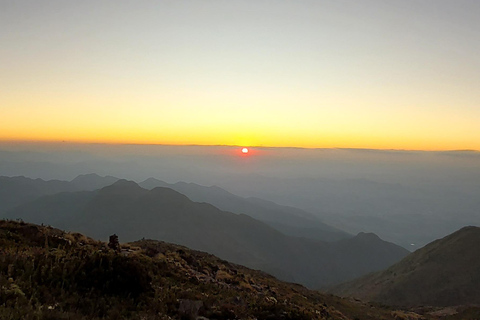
<point>406,197</point>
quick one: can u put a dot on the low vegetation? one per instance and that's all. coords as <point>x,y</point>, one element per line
<point>444,273</point>
<point>46,273</point>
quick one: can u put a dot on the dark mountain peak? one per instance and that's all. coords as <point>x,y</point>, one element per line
<point>123,183</point>
<point>457,246</point>
<point>151,183</point>
<point>122,186</point>
<point>367,236</point>
<point>86,176</point>
<point>92,181</point>
<point>93,176</point>
<point>468,229</point>
<point>462,236</point>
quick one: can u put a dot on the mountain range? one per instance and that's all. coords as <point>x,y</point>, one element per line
<point>289,220</point>
<point>18,190</point>
<point>440,280</point>
<point>133,212</point>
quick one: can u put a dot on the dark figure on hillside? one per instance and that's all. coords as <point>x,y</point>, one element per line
<point>113,243</point>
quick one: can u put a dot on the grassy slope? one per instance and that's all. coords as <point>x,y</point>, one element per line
<point>46,273</point>
<point>443,273</point>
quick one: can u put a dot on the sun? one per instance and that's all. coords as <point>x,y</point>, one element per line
<point>244,150</point>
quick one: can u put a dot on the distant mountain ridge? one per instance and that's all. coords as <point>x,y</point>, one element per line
<point>92,181</point>
<point>15,191</point>
<point>445,272</point>
<point>164,214</point>
<point>18,190</point>
<point>289,220</point>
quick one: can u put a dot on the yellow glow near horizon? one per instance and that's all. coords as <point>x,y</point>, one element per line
<point>209,121</point>
<point>244,74</point>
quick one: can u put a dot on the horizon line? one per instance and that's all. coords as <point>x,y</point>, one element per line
<point>2,141</point>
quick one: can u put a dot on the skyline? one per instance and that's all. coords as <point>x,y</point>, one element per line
<point>20,144</point>
<point>311,74</point>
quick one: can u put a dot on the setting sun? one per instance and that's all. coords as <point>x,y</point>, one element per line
<point>362,125</point>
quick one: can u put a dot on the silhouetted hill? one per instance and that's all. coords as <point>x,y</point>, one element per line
<point>92,181</point>
<point>288,220</point>
<point>15,191</point>
<point>445,272</point>
<point>164,214</point>
<point>356,248</point>
<point>18,190</point>
<point>46,273</point>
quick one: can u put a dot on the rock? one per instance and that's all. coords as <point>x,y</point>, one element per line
<point>113,243</point>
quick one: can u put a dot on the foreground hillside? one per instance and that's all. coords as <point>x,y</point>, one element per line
<point>445,272</point>
<point>164,214</point>
<point>46,273</point>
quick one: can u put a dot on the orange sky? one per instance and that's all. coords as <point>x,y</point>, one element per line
<point>316,74</point>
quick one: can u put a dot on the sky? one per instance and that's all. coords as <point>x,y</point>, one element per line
<point>317,74</point>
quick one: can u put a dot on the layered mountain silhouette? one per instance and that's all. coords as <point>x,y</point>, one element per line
<point>60,275</point>
<point>18,190</point>
<point>92,181</point>
<point>289,220</point>
<point>133,212</point>
<point>445,272</point>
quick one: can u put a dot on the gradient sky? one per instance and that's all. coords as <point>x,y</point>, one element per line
<point>342,73</point>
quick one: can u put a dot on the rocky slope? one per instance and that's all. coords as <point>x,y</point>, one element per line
<point>46,273</point>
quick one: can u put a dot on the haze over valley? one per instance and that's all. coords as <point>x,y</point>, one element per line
<point>239,160</point>
<point>406,197</point>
